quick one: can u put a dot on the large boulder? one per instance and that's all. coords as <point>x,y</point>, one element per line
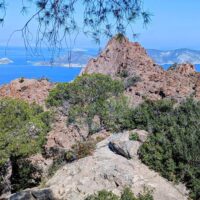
<point>122,145</point>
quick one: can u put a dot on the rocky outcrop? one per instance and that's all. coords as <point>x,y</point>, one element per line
<point>31,90</point>
<point>62,136</point>
<point>128,61</point>
<point>106,169</point>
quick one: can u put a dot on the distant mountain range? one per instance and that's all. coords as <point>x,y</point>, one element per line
<point>75,58</point>
<point>80,58</point>
<point>175,56</point>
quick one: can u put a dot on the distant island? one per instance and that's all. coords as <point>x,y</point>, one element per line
<point>5,61</point>
<point>73,59</point>
<point>49,64</point>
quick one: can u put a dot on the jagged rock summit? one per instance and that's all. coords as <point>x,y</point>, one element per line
<point>119,55</point>
<point>143,78</point>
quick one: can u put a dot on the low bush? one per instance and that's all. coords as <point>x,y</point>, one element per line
<point>23,128</point>
<point>83,149</point>
<point>127,194</point>
<point>134,137</point>
<point>24,175</point>
<point>123,73</point>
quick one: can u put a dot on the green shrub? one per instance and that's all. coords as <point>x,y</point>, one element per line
<point>21,80</point>
<point>85,89</point>
<point>173,147</point>
<point>23,128</point>
<point>145,195</point>
<point>127,194</point>
<point>103,195</point>
<point>116,114</point>
<point>58,162</point>
<point>58,95</point>
<point>134,137</point>
<point>120,37</point>
<point>87,97</point>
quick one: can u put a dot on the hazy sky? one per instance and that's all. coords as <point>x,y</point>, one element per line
<point>175,24</point>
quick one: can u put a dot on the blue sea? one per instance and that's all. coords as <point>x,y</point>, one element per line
<point>23,66</point>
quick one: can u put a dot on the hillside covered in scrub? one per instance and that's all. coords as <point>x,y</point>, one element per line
<point>125,129</point>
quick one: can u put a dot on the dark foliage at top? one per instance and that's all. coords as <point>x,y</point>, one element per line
<point>57,19</point>
<point>173,148</point>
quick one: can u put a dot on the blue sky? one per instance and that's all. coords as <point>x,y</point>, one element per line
<point>175,24</point>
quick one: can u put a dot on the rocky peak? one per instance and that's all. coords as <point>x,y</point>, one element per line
<point>143,78</point>
<point>30,90</point>
<point>118,42</point>
<point>120,58</point>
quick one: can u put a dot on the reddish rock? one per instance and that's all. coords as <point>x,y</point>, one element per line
<point>63,136</point>
<point>124,59</point>
<point>30,90</point>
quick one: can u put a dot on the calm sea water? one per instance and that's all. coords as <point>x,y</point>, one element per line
<point>22,67</point>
